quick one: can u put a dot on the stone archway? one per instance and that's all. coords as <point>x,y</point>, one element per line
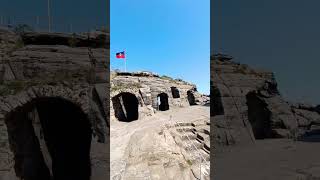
<point>216,100</point>
<point>259,116</point>
<point>126,107</point>
<point>66,132</point>
<point>175,92</point>
<point>163,102</point>
<point>191,98</point>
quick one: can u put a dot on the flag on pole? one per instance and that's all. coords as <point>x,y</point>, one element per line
<point>120,55</point>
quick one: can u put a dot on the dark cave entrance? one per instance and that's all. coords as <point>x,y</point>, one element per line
<point>125,107</point>
<point>163,102</point>
<point>66,133</point>
<point>191,98</point>
<point>259,116</point>
<point>175,92</point>
<point>217,106</point>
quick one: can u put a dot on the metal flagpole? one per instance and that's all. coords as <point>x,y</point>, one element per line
<point>49,17</point>
<point>125,61</point>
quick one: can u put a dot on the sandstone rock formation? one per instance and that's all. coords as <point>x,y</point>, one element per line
<point>53,99</point>
<point>152,153</point>
<point>163,125</point>
<point>136,95</point>
<point>168,145</point>
<point>247,105</point>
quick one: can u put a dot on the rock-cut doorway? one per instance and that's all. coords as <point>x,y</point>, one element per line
<point>126,107</point>
<point>163,102</point>
<point>51,140</point>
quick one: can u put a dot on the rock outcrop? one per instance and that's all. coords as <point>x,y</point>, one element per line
<point>246,105</point>
<point>61,80</point>
<point>139,94</point>
<point>94,39</point>
<point>168,145</point>
<point>155,157</point>
<point>153,144</point>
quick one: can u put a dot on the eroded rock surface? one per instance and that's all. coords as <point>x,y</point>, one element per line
<point>167,145</point>
<point>53,90</point>
<point>143,93</point>
<point>247,105</point>
<point>254,128</point>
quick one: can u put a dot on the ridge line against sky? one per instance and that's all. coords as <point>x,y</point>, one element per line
<point>280,36</point>
<point>166,37</point>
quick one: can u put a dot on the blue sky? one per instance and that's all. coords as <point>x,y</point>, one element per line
<point>169,37</point>
<point>280,36</point>
<point>82,14</point>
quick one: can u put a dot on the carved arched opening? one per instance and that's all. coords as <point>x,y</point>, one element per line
<point>126,106</point>
<point>191,98</point>
<point>175,92</point>
<point>163,102</point>
<point>50,138</point>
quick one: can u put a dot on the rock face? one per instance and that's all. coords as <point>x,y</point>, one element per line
<point>53,99</point>
<point>168,145</point>
<point>94,39</point>
<point>136,95</point>
<point>150,158</point>
<point>246,105</point>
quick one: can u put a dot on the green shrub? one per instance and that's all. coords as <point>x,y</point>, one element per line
<point>22,29</point>
<point>189,162</point>
<point>73,41</point>
<point>19,44</point>
<point>166,77</point>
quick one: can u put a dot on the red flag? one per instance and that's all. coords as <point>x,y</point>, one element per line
<point>120,55</point>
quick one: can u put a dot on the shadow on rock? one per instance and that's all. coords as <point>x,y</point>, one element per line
<point>311,136</point>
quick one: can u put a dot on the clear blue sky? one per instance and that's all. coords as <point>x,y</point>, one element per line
<point>281,36</point>
<point>82,14</point>
<point>169,37</point>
